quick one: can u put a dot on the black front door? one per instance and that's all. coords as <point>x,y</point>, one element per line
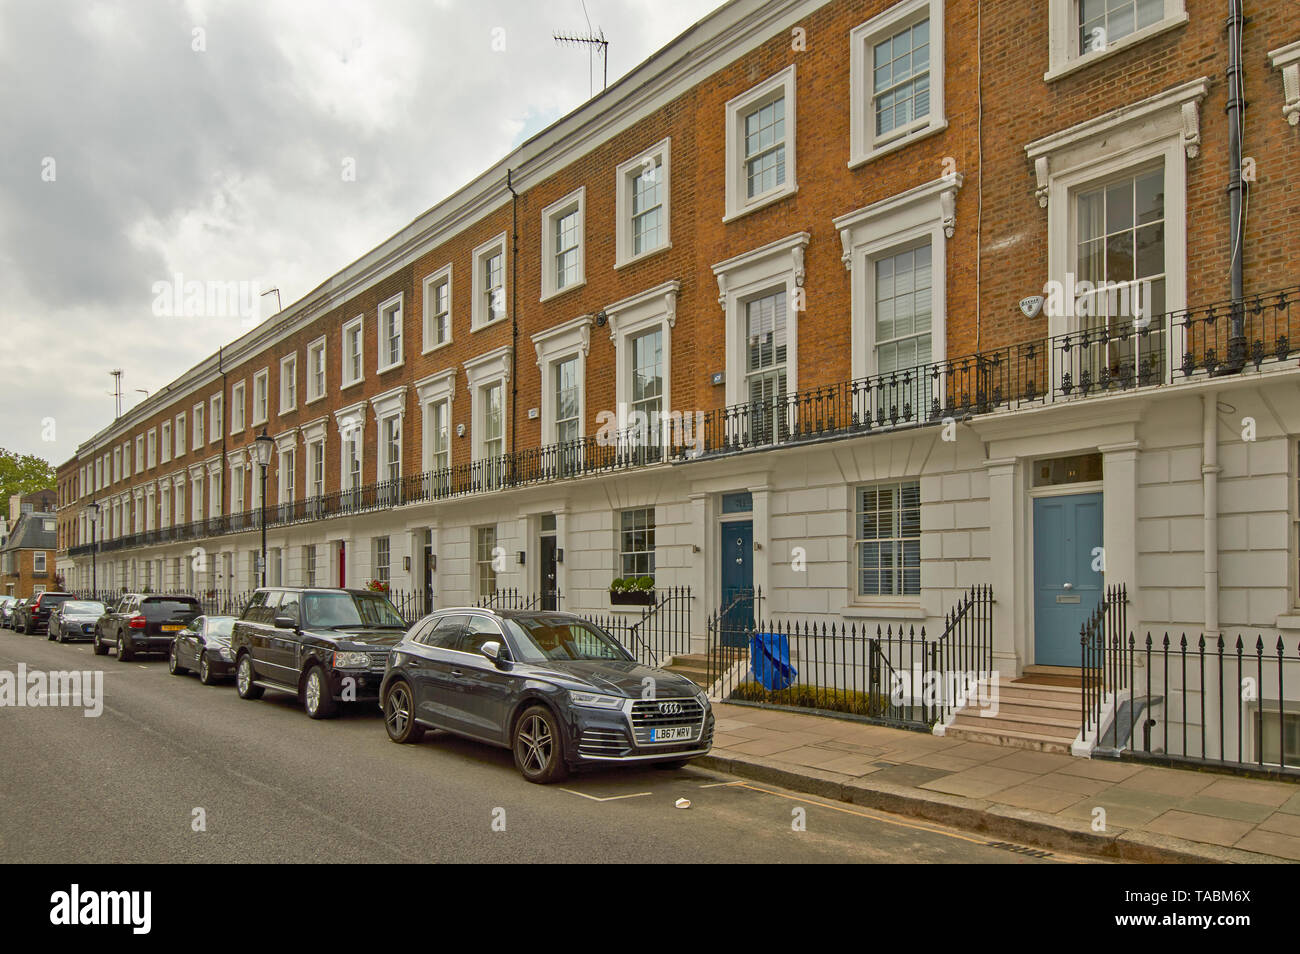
<point>550,577</point>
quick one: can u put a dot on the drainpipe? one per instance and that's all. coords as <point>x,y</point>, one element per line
<point>1236,114</point>
<point>514,314</point>
<point>1210,487</point>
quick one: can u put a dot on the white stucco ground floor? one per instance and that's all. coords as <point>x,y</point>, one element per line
<point>1186,494</point>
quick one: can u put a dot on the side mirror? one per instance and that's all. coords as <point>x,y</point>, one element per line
<point>286,622</point>
<point>494,652</point>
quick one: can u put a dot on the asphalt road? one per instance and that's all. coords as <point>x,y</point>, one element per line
<point>276,786</point>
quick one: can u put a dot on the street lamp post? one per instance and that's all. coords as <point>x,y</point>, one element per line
<point>262,454</point>
<point>93,509</point>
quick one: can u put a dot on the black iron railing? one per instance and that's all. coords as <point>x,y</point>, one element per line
<point>1105,665</point>
<point>662,631</point>
<point>1214,702</point>
<point>1101,357</point>
<point>893,673</point>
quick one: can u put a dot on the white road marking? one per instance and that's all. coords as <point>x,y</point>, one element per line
<point>607,798</point>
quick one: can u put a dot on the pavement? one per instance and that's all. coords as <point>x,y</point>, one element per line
<point>1116,809</point>
<point>174,771</point>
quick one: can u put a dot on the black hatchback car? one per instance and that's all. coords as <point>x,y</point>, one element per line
<point>556,690</point>
<point>325,646</point>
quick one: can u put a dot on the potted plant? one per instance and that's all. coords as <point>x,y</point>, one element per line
<point>632,591</point>
<point>377,586</point>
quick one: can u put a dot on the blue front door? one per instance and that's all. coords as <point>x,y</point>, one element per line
<point>1067,542</point>
<point>737,554</point>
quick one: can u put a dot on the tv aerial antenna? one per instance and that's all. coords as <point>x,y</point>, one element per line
<point>593,40</point>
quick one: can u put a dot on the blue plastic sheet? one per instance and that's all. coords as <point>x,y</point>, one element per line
<point>770,661</point>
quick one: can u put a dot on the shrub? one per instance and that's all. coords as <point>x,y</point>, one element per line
<point>811,697</point>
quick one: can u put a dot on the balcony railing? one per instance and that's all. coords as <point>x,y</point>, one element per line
<point>1101,358</point>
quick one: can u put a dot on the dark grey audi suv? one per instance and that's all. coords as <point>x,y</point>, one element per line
<point>557,691</point>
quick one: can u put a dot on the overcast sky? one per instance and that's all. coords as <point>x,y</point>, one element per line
<point>141,139</point>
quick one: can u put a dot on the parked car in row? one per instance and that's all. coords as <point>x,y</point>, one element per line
<point>324,645</point>
<point>7,604</point>
<point>35,612</point>
<point>144,623</point>
<point>75,620</point>
<point>11,620</point>
<point>203,645</point>
<point>559,692</point>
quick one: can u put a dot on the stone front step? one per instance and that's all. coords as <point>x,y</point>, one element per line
<point>694,667</point>
<point>1030,715</point>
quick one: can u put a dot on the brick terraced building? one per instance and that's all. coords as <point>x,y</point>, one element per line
<point>751,318</point>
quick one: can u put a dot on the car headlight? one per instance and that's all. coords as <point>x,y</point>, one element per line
<point>351,660</point>
<point>594,700</point>
<point>702,695</point>
<point>224,653</point>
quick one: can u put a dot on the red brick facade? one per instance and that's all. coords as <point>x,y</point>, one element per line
<point>996,101</point>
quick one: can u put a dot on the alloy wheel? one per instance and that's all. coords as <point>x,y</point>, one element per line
<point>536,744</point>
<point>398,712</point>
<point>313,691</point>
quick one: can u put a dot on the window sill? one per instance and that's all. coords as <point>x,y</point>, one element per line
<point>437,347</point>
<point>286,410</point>
<point>1077,63</point>
<point>390,367</point>
<point>1290,621</point>
<point>903,611</point>
<point>560,292</point>
<point>313,400</point>
<point>352,384</point>
<point>235,432</point>
<point>643,256</point>
<point>489,324</point>
<point>916,135</point>
<point>761,203</point>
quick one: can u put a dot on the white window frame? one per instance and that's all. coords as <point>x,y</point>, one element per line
<point>629,319</point>
<point>139,453</point>
<point>1064,56</point>
<point>661,155</point>
<point>394,304</point>
<point>216,416</point>
<point>856,599</point>
<point>214,488</point>
<point>555,346</point>
<point>431,283</point>
<point>886,227</point>
<point>863,144</point>
<point>262,389</point>
<point>289,383</point>
<point>387,406</point>
<point>1162,128</point>
<point>478,311</point>
<point>437,389</point>
<point>179,435</point>
<point>238,482</point>
<point>198,438</point>
<point>345,379</point>
<point>117,465</point>
<point>238,406</point>
<point>349,419</point>
<point>39,561</point>
<point>774,87</point>
<point>754,275</point>
<point>151,447</point>
<point>483,372</point>
<point>319,346</point>
<point>575,201</point>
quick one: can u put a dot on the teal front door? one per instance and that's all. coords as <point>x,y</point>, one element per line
<point>737,553</point>
<point>1067,545</point>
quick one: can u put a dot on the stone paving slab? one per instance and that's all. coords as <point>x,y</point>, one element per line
<point>1151,812</point>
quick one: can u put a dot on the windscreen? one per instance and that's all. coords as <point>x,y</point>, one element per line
<point>549,638</point>
<point>349,609</point>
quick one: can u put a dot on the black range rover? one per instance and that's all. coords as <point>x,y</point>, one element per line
<point>325,646</point>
